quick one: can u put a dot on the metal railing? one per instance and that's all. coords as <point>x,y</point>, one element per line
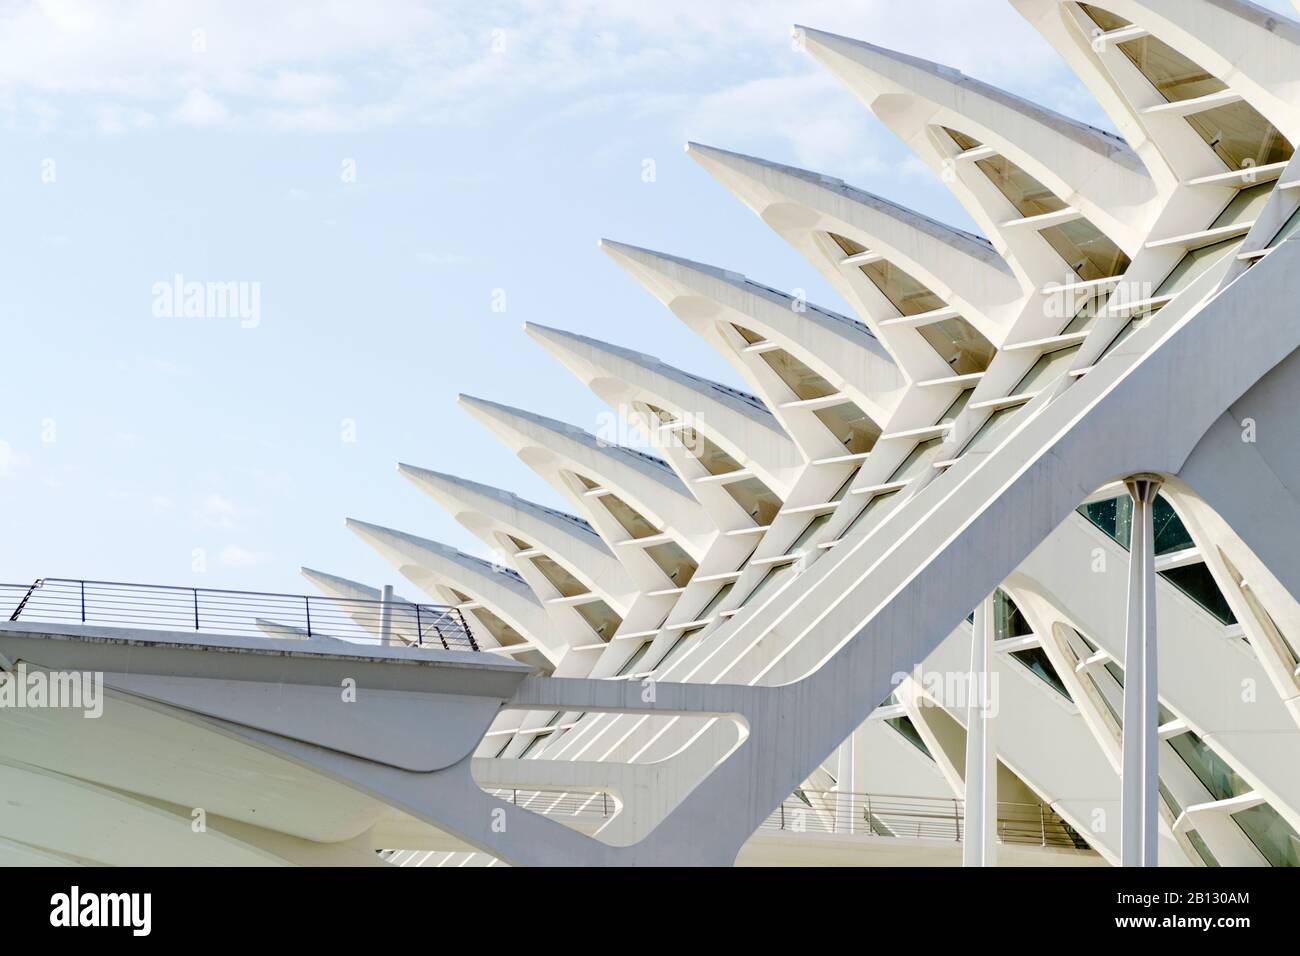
<point>928,818</point>
<point>866,814</point>
<point>210,610</point>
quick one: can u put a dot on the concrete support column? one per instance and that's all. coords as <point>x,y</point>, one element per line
<point>1139,813</point>
<point>981,778</point>
<point>846,819</point>
<point>386,616</point>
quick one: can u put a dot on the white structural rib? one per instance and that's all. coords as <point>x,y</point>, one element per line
<point>1091,170</point>
<point>562,453</point>
<point>436,568</point>
<point>737,421</point>
<point>492,514</point>
<point>709,300</point>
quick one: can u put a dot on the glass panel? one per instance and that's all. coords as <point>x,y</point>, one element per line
<point>919,460</point>
<point>753,338</point>
<point>1008,622</point>
<point>588,483</point>
<point>1086,249</point>
<point>635,659</point>
<point>1035,658</point>
<point>504,634</point>
<point>758,500</point>
<point>1193,265</point>
<point>714,601</point>
<point>1171,534</point>
<point>1025,192</point>
<point>850,426</point>
<point>959,344</point>
<point>907,295</point>
<point>964,142</point>
<point>810,529</point>
<point>872,507</point>
<point>803,381</point>
<point>1051,366</point>
<point>600,617</point>
<point>672,561</point>
<point>956,408</point>
<point>849,247</point>
<point>519,545</point>
<point>680,646</point>
<point>1203,851</point>
<point>709,454</point>
<point>1271,835</point>
<point>1113,516</point>
<point>1241,136</point>
<point>984,438</point>
<point>631,519</point>
<point>1088,312</point>
<point>772,576</point>
<point>562,580</point>
<point>1288,229</point>
<point>1104,18</point>
<point>1245,206</point>
<point>1173,75</point>
<point>1196,581</point>
<point>908,729</point>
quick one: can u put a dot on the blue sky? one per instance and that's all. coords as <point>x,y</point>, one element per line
<point>492,143</point>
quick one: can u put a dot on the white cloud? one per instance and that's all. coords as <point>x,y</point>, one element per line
<point>233,556</point>
<point>200,108</point>
<point>216,511</point>
<point>10,459</point>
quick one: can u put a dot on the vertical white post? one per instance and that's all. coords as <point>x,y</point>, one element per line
<point>846,787</point>
<point>980,824</point>
<point>1139,780</point>
<point>386,616</point>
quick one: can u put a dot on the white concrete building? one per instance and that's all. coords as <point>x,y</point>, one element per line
<point>1058,462</point>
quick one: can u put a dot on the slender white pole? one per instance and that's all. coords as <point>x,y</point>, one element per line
<point>386,616</point>
<point>1139,779</point>
<point>980,839</point>
<point>846,787</point>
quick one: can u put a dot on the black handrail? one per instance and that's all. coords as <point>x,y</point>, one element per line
<point>220,610</point>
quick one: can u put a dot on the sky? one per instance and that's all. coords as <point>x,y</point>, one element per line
<point>373,182</point>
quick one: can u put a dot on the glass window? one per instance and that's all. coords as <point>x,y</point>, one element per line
<point>718,597</point>
<point>1241,136</point>
<point>849,247</point>
<point>1245,206</point>
<point>715,460</point>
<point>1087,250</point>
<point>503,633</point>
<point>680,646</point>
<point>600,617</point>
<point>906,294</point>
<point>1195,264</point>
<point>562,580</point>
<point>959,344</point>
<point>753,338</point>
<point>964,143</point>
<point>1026,193</point>
<point>991,429</point>
<point>1036,659</point>
<point>758,500</point>
<point>918,460</point>
<point>803,381</point>
<point>1008,622</point>
<point>872,507</point>
<point>1288,229</point>
<point>635,659</point>
<point>908,729</point>
<point>956,408</point>
<point>851,426</point>
<point>1175,76</point>
<point>773,575</point>
<point>1271,835</point>
<point>673,562</point>
<point>1196,581</point>
<point>1049,367</point>
<point>1203,851</point>
<point>633,522</point>
<point>1104,18</point>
